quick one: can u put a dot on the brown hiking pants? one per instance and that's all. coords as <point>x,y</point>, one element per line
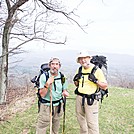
<point>44,119</point>
<point>87,116</point>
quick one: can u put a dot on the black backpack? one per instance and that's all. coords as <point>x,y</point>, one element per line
<point>99,62</point>
<point>43,69</point>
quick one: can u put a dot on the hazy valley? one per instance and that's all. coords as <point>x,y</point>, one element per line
<point>120,66</point>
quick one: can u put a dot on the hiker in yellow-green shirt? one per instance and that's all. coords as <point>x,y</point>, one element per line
<point>87,101</point>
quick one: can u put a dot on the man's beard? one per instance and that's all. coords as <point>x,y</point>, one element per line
<point>54,71</point>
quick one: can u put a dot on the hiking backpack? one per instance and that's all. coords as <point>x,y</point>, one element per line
<point>43,69</point>
<point>99,62</point>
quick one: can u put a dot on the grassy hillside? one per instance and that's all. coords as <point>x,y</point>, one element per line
<point>116,115</point>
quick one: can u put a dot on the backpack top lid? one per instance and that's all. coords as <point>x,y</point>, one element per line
<point>99,61</point>
<point>45,67</point>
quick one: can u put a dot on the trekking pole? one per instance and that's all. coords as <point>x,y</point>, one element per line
<point>51,109</point>
<point>63,129</point>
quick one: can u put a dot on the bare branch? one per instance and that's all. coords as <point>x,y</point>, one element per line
<point>51,8</point>
<point>34,38</point>
<point>18,4</point>
<point>8,5</point>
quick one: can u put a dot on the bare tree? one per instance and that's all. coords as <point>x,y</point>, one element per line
<point>23,21</point>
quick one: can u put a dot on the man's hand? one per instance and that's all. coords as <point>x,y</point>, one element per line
<point>76,83</point>
<point>92,78</point>
<point>43,92</point>
<point>50,81</point>
<point>65,93</point>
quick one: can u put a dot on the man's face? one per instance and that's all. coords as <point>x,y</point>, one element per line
<point>54,66</point>
<point>84,61</point>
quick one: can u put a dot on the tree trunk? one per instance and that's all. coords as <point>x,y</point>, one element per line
<point>4,79</point>
<point>5,44</point>
<point>4,63</point>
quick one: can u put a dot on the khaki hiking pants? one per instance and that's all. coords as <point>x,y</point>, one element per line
<point>87,116</point>
<point>44,119</point>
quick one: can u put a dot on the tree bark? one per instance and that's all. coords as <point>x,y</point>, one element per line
<point>4,64</point>
<point>5,45</point>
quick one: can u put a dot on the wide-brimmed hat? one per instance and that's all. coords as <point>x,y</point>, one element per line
<point>83,53</point>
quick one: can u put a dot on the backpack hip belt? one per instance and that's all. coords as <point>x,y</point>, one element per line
<point>90,98</point>
<point>53,102</point>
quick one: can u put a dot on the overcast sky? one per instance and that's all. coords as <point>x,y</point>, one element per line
<point>111,30</point>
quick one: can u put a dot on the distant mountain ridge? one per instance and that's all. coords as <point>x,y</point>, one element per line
<point>119,65</point>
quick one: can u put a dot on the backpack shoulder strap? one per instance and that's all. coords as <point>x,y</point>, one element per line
<point>61,74</point>
<point>80,70</point>
<point>62,80</point>
<point>94,69</point>
<point>62,77</point>
<point>46,74</point>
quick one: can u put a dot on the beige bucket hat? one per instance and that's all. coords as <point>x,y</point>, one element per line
<point>83,53</point>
